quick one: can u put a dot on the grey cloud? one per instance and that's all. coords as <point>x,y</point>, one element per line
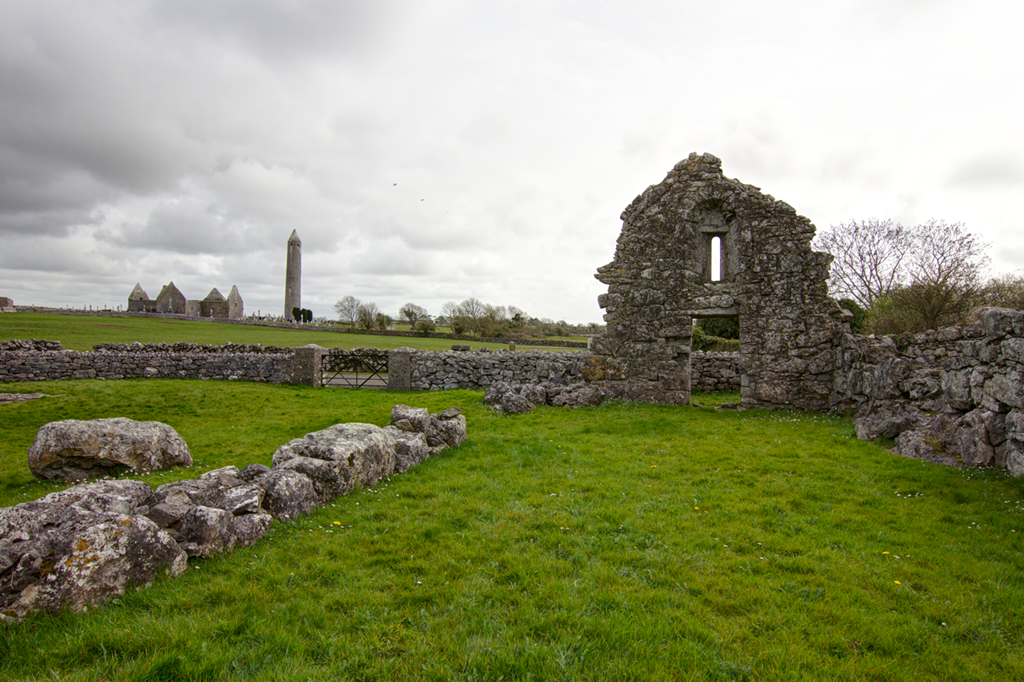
<point>996,169</point>
<point>277,30</point>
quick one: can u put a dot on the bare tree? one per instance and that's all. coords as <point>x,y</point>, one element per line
<point>473,311</point>
<point>868,258</point>
<point>367,314</point>
<point>945,270</point>
<point>348,310</point>
<point>413,313</point>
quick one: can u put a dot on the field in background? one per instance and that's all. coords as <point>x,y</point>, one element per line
<point>82,332</point>
<point>627,542</point>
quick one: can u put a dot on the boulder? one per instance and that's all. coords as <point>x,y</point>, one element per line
<point>81,547</point>
<point>410,448</point>
<point>884,419</point>
<point>74,450</point>
<point>447,429</point>
<point>288,494</point>
<point>413,419</point>
<point>535,393</point>
<point>339,458</point>
<point>496,392</point>
<point>579,395</point>
<point>207,531</point>
<point>253,471</point>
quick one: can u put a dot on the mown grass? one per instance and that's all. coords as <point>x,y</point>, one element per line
<point>82,332</point>
<point>625,542</point>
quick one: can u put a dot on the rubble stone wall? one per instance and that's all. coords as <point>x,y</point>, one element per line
<point>444,370</point>
<point>712,372</point>
<point>47,361</point>
<point>956,394</point>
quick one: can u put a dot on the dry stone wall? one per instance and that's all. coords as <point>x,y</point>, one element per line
<point>444,370</point>
<point>47,361</point>
<point>952,395</point>
<point>712,372</point>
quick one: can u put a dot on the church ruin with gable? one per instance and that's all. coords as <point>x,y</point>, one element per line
<point>171,301</point>
<point>660,282</point>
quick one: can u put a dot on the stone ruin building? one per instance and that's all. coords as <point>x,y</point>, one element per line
<point>172,301</point>
<point>661,282</point>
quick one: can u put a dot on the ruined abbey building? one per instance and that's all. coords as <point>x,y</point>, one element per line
<point>660,282</point>
<point>172,301</point>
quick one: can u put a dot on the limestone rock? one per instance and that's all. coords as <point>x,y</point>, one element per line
<point>410,448</point>
<point>207,531</point>
<point>882,419</point>
<point>579,396</point>
<point>339,458</point>
<point>496,392</point>
<point>288,494</point>
<point>75,450</point>
<point>253,471</point>
<point>447,428</point>
<point>417,419</point>
<point>81,547</point>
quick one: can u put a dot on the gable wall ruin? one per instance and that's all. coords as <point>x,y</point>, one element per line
<point>661,281</point>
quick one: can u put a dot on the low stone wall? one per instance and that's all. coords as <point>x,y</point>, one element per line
<point>80,547</point>
<point>712,372</point>
<point>47,361</point>
<point>444,370</point>
<point>409,369</point>
<point>953,395</point>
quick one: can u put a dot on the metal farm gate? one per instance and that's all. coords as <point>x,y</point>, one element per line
<point>356,368</point>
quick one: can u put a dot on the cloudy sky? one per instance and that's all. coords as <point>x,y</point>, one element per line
<point>432,150</point>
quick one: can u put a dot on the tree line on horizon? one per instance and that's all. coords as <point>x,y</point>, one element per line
<point>470,317</point>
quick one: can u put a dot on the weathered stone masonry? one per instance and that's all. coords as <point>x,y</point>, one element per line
<point>47,361</point>
<point>952,394</point>
<point>661,281</point>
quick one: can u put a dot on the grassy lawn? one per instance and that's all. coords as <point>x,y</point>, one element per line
<point>82,332</point>
<point>623,542</point>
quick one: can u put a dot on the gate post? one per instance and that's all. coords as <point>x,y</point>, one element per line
<point>305,369</point>
<point>400,369</point>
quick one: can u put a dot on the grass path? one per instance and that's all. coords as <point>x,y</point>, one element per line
<point>621,542</point>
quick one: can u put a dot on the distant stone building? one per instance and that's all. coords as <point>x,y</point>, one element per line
<point>172,301</point>
<point>140,302</point>
<point>7,305</point>
<point>214,305</point>
<point>235,308</point>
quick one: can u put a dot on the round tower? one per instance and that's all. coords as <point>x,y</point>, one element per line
<point>293,276</point>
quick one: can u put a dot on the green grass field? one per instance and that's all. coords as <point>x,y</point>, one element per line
<point>82,332</point>
<point>623,542</point>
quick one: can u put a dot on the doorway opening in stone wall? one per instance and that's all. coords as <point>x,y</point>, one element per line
<point>717,333</point>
